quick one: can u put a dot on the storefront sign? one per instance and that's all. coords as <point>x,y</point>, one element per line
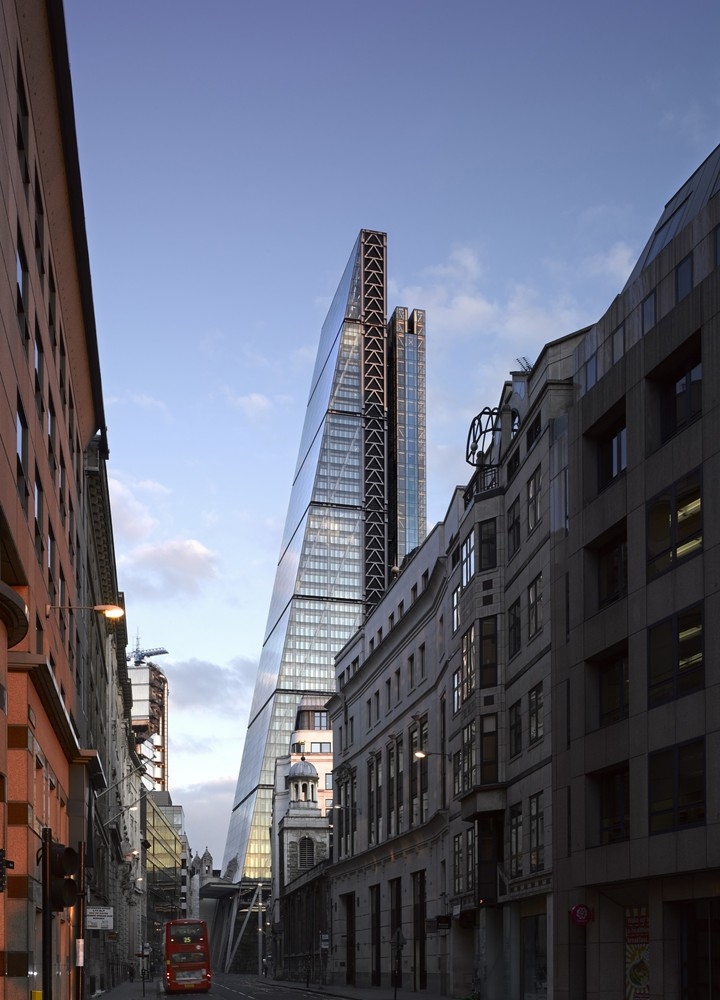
<point>637,953</point>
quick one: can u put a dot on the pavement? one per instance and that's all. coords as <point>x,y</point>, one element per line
<point>153,990</point>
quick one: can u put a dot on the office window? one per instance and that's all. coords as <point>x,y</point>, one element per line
<point>612,569</point>
<point>533,431</point>
<point>488,654</point>
<point>612,454</point>
<point>391,790</point>
<point>618,343</point>
<point>533,499</point>
<point>469,757</point>
<point>535,713</point>
<point>684,278</point>
<point>613,787</point>
<point>516,865</point>
<point>681,396</point>
<point>674,525</point>
<point>535,617</point>
<point>22,277</point>
<point>488,545</point>
<point>421,661</point>
<point>458,863</point>
<point>488,749</point>
<point>22,456</point>
<point>22,128</point>
<point>468,559</point>
<point>613,690</point>
<point>591,371</point>
<point>468,662</point>
<point>513,464</point>
<point>411,671</point>
<point>515,728</point>
<point>648,313</point>
<point>513,529</point>
<point>676,787</point>
<point>537,832</point>
<point>470,858</point>
<point>456,608</point>
<point>676,656</point>
<point>514,626</point>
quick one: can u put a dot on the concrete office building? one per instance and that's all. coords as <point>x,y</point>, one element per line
<point>346,524</point>
<point>550,646</point>
<point>64,694</point>
<point>636,681</point>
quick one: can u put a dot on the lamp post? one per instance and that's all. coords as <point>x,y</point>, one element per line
<point>108,610</point>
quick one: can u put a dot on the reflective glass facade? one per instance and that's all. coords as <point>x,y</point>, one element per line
<point>342,516</point>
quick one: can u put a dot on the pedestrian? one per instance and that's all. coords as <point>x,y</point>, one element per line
<point>131,973</point>
<point>265,968</point>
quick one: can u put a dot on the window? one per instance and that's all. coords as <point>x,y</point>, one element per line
<point>23,286</point>
<point>468,656</point>
<point>456,608</point>
<point>515,728</point>
<point>612,454</point>
<point>458,863</point>
<point>488,749</point>
<point>613,690</point>
<point>513,527</point>
<point>676,787</point>
<point>533,432</point>
<point>514,628</point>
<point>421,659</point>
<point>591,371</point>
<point>684,278</point>
<point>537,832</point>
<point>411,671</point>
<point>513,464</point>
<point>676,656</point>
<point>306,852</point>
<point>536,719</point>
<point>468,559</point>
<point>470,857</point>
<point>648,313</point>
<point>488,652</point>
<point>469,757</point>
<point>21,445</point>
<point>391,790</point>
<point>516,866</point>
<point>533,500</point>
<point>613,804</point>
<point>22,128</point>
<point>674,525</point>
<point>681,396</point>
<point>488,545</point>
<point>535,619</point>
<point>618,343</point>
<point>612,570</point>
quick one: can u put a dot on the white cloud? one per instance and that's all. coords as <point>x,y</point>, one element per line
<point>253,405</point>
<point>615,263</point>
<point>169,569</point>
<point>132,521</point>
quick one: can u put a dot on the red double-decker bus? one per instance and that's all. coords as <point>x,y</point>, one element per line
<point>187,957</point>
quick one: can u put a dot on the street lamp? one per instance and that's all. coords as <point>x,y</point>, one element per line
<point>422,754</point>
<point>108,610</point>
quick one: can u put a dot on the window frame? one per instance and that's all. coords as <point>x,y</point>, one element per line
<point>666,636</point>
<point>536,715</point>
<point>534,508</point>
<point>513,527</point>
<point>535,606</point>
<point>667,765</point>
<point>668,503</point>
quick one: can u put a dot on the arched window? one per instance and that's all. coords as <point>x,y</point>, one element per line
<point>307,852</point>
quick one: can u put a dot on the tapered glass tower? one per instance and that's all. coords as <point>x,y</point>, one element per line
<point>357,507</point>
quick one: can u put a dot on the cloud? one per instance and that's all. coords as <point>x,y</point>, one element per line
<point>616,263</point>
<point>172,568</point>
<point>146,402</point>
<point>253,405</point>
<point>132,521</point>
<point>204,687</point>
<point>153,487</point>
<point>206,806</point>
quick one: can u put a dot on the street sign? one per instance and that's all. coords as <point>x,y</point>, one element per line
<point>99,918</point>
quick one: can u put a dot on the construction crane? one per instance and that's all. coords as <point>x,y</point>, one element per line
<point>138,655</point>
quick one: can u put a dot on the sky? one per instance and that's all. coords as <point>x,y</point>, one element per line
<point>517,154</point>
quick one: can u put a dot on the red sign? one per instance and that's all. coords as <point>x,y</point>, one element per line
<point>581,914</point>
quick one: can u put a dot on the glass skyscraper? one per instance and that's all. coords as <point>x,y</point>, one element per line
<point>357,507</point>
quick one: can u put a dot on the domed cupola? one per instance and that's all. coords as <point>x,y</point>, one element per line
<point>303,780</point>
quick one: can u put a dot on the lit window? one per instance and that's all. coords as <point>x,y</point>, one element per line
<point>674,525</point>
<point>676,656</point>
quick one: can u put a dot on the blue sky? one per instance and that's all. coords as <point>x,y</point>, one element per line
<point>518,155</point>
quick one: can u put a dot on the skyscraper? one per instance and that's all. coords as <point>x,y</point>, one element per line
<point>357,507</point>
